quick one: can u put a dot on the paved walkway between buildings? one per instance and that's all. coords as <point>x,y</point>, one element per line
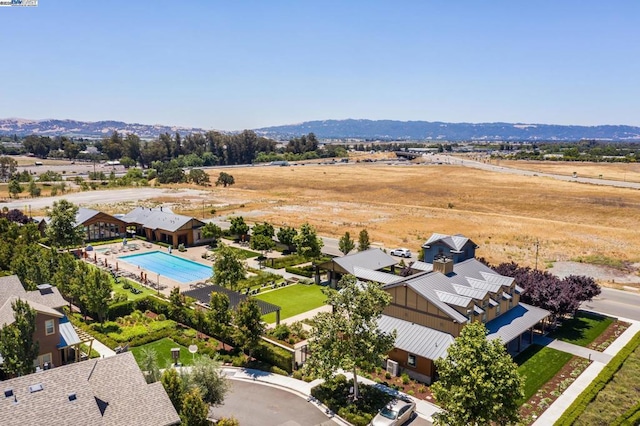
<point>576,350</point>
<point>102,349</point>
<point>559,406</point>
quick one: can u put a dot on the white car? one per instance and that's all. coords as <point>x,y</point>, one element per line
<point>402,252</point>
<point>396,413</point>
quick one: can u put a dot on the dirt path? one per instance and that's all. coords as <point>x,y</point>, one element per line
<point>597,272</point>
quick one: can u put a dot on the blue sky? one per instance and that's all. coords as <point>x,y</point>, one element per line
<point>246,64</point>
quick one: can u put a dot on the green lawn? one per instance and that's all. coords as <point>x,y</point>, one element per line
<point>244,254</point>
<point>163,349</point>
<point>294,299</point>
<point>583,329</point>
<point>117,288</point>
<point>538,364</point>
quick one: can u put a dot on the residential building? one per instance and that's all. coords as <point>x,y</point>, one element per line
<point>450,289</point>
<point>103,392</point>
<point>96,225</point>
<point>59,342</point>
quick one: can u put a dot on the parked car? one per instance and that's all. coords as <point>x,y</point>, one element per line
<point>402,252</point>
<point>396,413</point>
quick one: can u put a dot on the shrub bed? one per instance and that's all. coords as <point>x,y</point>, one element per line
<point>334,394</point>
<point>305,271</point>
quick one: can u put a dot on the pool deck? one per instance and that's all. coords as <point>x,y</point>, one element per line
<point>166,284</point>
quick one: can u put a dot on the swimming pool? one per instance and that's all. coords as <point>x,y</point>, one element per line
<point>169,266</point>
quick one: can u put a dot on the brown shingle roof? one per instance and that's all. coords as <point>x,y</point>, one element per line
<point>116,384</point>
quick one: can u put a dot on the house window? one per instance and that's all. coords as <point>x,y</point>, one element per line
<point>484,317</point>
<point>510,303</point>
<point>498,309</point>
<point>49,327</point>
<point>411,360</point>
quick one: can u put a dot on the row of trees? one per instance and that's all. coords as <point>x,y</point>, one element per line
<point>545,290</point>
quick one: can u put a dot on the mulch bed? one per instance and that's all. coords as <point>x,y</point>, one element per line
<point>551,390</point>
<point>413,388</point>
<point>609,335</point>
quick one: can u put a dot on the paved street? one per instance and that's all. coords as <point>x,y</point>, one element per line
<point>256,404</point>
<point>625,304</point>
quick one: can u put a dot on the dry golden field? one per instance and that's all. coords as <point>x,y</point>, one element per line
<point>629,172</point>
<point>402,205</point>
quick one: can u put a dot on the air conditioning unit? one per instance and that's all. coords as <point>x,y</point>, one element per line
<point>392,367</point>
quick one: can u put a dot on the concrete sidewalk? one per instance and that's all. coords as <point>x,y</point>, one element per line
<point>102,349</point>
<point>576,350</point>
<point>559,406</point>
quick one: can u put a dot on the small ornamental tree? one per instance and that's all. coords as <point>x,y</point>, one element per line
<point>239,227</point>
<point>219,316</point>
<point>211,230</point>
<point>173,385</point>
<point>194,410</point>
<point>478,381</point>
<point>348,337</point>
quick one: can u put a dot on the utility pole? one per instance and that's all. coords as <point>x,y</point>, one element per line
<point>537,247</point>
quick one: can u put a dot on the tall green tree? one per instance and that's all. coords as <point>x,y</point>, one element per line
<point>8,167</point>
<point>34,189</point>
<point>363,240</point>
<point>264,228</point>
<point>239,227</point>
<point>307,242</point>
<point>198,176</point>
<point>219,315</point>
<point>346,244</point>
<point>63,231</point>
<point>478,381</point>
<point>17,346</point>
<point>97,293</point>
<point>247,320</point>
<point>348,337</point>
<point>32,264</point>
<point>262,243</point>
<point>211,230</point>
<point>228,268</point>
<point>286,236</point>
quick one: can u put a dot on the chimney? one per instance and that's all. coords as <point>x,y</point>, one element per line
<point>443,264</point>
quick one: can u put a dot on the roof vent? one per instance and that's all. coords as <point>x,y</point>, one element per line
<point>36,388</point>
<point>73,397</point>
<point>8,393</point>
<point>45,288</point>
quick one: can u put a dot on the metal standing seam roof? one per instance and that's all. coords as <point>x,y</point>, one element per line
<point>84,214</point>
<point>476,293</point>
<point>454,299</point>
<point>422,266</point>
<point>374,259</point>
<point>375,276</point>
<point>456,242</point>
<point>514,322</point>
<point>416,339</point>
<point>68,335</point>
<point>484,285</point>
<point>203,295</point>
<point>497,279</point>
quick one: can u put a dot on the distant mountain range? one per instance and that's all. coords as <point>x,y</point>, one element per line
<point>426,130</point>
<point>88,129</point>
<point>341,129</point>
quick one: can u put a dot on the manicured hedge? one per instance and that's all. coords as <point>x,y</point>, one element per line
<point>578,406</point>
<point>275,355</point>
<point>120,309</point>
<point>306,271</point>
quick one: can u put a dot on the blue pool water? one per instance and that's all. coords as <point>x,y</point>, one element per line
<point>169,266</point>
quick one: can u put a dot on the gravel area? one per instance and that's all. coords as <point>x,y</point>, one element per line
<point>597,272</point>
